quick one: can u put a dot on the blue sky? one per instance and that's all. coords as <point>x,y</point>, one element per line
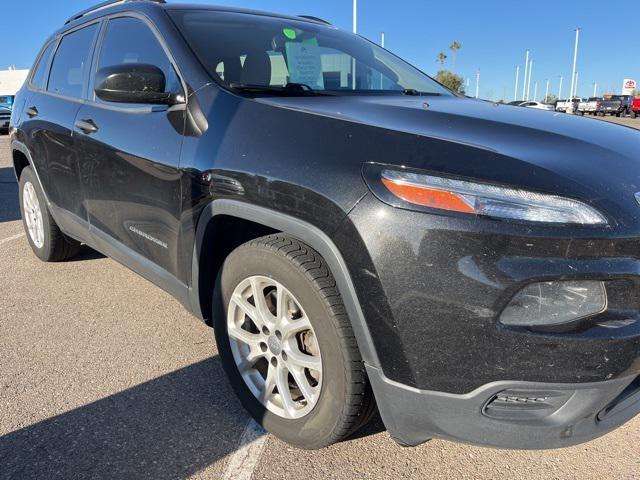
<point>494,35</point>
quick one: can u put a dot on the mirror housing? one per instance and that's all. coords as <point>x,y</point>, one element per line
<point>133,83</point>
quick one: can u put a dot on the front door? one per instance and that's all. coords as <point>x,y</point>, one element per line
<point>130,155</point>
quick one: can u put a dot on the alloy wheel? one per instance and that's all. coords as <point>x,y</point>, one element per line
<point>274,347</point>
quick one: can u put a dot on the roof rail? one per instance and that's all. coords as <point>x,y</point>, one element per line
<point>103,5</point>
<point>315,19</point>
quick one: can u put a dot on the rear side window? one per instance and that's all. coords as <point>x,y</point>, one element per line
<point>39,78</point>
<point>71,62</point>
<point>129,40</point>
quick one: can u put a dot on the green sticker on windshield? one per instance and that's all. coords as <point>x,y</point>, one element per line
<point>290,33</point>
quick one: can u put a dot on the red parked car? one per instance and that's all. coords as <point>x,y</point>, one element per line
<point>635,108</point>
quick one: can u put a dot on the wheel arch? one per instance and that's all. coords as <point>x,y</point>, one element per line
<point>21,158</point>
<point>205,271</point>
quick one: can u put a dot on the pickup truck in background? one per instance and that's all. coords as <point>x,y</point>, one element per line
<point>625,102</point>
<point>563,105</point>
<point>634,110</point>
<point>600,107</point>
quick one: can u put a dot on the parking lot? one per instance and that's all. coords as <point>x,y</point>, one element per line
<point>103,375</point>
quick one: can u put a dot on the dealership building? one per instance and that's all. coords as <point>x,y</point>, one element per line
<point>10,82</point>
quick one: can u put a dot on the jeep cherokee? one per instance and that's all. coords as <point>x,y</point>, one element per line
<point>359,236</point>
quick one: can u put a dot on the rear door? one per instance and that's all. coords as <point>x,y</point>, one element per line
<point>130,156</point>
<point>49,116</point>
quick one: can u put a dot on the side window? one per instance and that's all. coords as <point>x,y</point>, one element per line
<point>39,78</point>
<point>71,62</point>
<point>129,40</point>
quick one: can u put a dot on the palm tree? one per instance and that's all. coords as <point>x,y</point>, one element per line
<point>441,58</point>
<point>455,46</point>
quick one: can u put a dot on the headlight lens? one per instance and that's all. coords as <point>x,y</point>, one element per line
<point>484,199</point>
<point>555,303</point>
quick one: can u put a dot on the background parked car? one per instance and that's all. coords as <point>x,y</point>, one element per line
<point>600,107</point>
<point>625,102</point>
<point>563,105</point>
<point>635,108</point>
<point>5,116</point>
<point>537,105</point>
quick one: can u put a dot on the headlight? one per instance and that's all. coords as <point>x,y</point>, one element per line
<point>490,200</point>
<point>555,303</point>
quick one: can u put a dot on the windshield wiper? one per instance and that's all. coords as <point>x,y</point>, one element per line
<point>288,89</point>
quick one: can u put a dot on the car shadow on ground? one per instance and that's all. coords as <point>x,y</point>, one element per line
<point>170,427</point>
<point>9,203</point>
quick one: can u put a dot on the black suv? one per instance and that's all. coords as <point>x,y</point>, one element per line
<point>359,236</point>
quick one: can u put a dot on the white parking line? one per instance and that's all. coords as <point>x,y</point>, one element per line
<point>14,237</point>
<point>243,462</point>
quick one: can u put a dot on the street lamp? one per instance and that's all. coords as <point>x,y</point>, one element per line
<point>529,81</point>
<point>546,93</point>
<point>355,31</point>
<point>574,74</point>
<point>560,89</point>
<point>515,94</point>
<point>526,69</point>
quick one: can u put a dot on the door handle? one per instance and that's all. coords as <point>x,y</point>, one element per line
<point>31,111</point>
<point>88,126</point>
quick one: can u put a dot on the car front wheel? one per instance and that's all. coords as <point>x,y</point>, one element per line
<point>287,345</point>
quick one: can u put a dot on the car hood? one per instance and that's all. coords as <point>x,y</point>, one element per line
<point>584,158</point>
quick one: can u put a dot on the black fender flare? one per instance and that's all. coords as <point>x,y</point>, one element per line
<point>303,231</point>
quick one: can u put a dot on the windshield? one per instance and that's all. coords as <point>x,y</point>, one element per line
<point>256,52</point>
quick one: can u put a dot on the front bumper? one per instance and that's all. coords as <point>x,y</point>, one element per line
<point>513,415</point>
<point>432,288</point>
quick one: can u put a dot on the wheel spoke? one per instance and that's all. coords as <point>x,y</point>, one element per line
<point>282,381</point>
<point>305,387</point>
<point>302,360</point>
<point>250,360</point>
<point>269,383</point>
<point>244,336</point>
<point>260,302</point>
<point>248,309</point>
<point>291,327</point>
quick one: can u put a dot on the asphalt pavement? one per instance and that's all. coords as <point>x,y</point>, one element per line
<point>103,375</point>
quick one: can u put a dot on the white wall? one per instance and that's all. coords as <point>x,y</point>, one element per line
<point>11,81</point>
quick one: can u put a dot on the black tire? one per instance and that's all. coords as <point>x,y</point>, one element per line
<point>633,114</point>
<point>55,247</point>
<point>345,402</point>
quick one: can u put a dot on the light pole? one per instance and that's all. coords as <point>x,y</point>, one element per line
<point>355,31</point>
<point>546,93</point>
<point>560,89</point>
<point>526,69</point>
<point>382,45</point>
<point>535,92</point>
<point>478,83</point>
<point>355,16</point>
<point>575,89</point>
<point>515,94</point>
<point>574,74</point>
<point>529,81</point>
<point>595,89</point>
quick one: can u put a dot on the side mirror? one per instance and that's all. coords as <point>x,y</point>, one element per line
<point>133,83</point>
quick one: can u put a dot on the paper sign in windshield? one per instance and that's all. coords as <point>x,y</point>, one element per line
<point>305,64</point>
